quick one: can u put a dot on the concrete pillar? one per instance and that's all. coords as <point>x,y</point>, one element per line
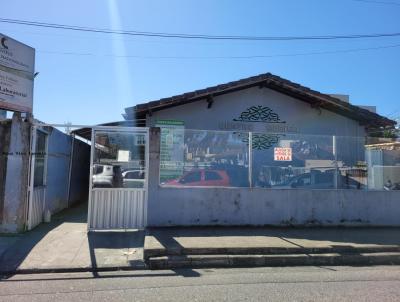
<point>153,172</point>
<point>5,133</point>
<point>16,182</point>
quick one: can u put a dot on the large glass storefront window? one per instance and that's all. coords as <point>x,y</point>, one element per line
<point>277,161</point>
<point>204,158</point>
<point>293,161</point>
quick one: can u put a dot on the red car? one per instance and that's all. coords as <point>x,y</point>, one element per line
<point>201,178</point>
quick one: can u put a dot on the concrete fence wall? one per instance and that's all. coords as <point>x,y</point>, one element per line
<point>260,206</point>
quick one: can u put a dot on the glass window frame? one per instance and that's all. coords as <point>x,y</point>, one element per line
<point>120,130</point>
<point>42,158</point>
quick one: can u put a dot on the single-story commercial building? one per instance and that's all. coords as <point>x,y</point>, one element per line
<point>257,151</point>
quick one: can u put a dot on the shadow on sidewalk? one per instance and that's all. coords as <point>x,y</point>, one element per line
<point>337,236</point>
<point>12,258</point>
<point>174,248</point>
<point>120,242</point>
<point>341,246</point>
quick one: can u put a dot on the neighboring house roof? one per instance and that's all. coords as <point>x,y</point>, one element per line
<point>314,98</point>
<point>87,131</point>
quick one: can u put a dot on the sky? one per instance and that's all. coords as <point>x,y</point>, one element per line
<point>89,78</point>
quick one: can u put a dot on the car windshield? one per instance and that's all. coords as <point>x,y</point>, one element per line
<point>98,169</point>
<point>134,175</point>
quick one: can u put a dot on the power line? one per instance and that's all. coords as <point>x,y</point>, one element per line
<point>378,2</point>
<point>195,36</point>
<point>224,57</point>
<point>393,114</point>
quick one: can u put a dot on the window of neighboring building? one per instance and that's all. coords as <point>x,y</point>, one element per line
<point>40,160</point>
<point>140,140</point>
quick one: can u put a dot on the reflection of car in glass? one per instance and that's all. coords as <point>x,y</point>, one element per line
<point>391,186</point>
<point>204,178</point>
<point>315,180</point>
<point>106,176</point>
<point>321,180</point>
<point>133,178</point>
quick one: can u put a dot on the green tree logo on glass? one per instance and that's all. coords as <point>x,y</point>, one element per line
<point>260,141</point>
<point>259,114</point>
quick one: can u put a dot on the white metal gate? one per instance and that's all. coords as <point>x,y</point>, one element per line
<point>118,204</point>
<point>36,207</point>
<point>37,189</point>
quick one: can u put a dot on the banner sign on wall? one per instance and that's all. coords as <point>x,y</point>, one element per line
<point>282,154</point>
<point>17,66</point>
<point>171,148</point>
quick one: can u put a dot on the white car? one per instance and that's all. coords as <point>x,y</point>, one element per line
<point>133,178</point>
<point>103,175</point>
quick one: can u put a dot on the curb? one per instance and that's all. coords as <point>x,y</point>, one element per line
<point>182,251</point>
<point>25,271</point>
<point>207,261</point>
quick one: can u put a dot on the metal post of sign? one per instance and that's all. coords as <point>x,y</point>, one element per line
<point>250,159</point>
<point>31,176</point>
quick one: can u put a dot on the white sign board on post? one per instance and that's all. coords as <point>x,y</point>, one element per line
<point>282,154</point>
<point>17,66</point>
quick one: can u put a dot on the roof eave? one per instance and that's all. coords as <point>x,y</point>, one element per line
<point>314,98</point>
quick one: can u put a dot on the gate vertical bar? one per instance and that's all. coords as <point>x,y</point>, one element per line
<point>147,159</point>
<point>334,147</point>
<point>90,206</point>
<point>46,158</point>
<point>251,159</point>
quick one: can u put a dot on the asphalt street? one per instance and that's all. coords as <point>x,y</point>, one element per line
<point>246,284</point>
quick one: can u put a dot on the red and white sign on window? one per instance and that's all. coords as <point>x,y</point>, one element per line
<point>283,154</point>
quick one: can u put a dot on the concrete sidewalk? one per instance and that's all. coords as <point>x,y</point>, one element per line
<point>65,245</point>
<point>249,246</point>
